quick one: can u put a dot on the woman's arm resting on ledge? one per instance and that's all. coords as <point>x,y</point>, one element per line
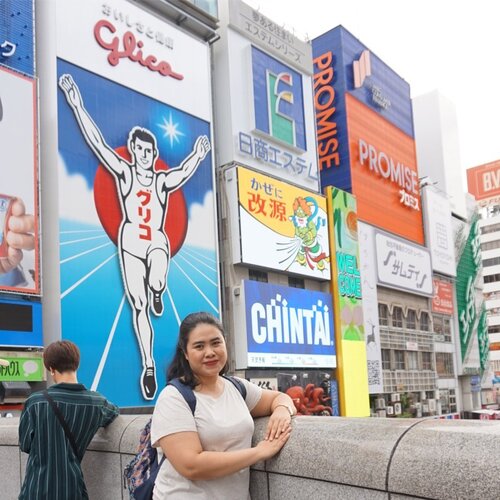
<point>184,452</point>
<point>281,409</point>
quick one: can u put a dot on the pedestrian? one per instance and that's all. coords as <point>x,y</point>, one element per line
<point>53,470</point>
<point>208,453</point>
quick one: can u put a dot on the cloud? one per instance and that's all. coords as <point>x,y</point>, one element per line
<point>201,228</point>
<point>76,200</point>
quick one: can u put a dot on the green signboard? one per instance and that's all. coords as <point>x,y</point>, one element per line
<point>345,232</point>
<point>467,271</point>
<point>22,370</point>
<point>484,342</point>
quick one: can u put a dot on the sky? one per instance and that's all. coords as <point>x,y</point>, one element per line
<point>444,45</point>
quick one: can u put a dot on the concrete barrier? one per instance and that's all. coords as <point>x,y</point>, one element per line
<point>330,458</point>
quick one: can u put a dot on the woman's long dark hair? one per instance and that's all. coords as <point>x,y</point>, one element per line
<point>179,367</point>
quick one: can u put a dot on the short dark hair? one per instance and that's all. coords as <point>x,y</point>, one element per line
<point>142,134</point>
<point>63,356</point>
<point>179,367</point>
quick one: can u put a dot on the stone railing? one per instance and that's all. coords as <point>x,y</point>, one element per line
<point>329,458</point>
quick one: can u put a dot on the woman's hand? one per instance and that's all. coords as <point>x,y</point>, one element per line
<point>280,421</point>
<point>267,448</point>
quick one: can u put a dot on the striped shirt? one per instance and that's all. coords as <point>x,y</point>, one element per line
<point>53,471</point>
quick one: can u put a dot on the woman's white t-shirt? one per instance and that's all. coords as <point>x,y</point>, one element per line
<point>223,423</point>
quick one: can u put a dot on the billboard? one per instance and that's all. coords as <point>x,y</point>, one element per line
<point>284,327</point>
<point>384,173</point>
<point>439,232</point>
<point>19,242</point>
<point>402,265</point>
<point>368,267</point>
<point>442,302</point>
<point>468,269</point>
<point>263,98</point>
<point>483,182</point>
<point>22,368</point>
<point>17,44</point>
<point>280,226</point>
<point>138,247</point>
<point>343,65</point>
<point>346,290</point>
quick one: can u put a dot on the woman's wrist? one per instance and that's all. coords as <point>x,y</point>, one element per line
<point>288,407</point>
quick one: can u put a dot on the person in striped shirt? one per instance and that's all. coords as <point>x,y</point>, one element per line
<point>53,470</point>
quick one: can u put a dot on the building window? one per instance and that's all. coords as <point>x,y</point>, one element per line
<point>495,261</point>
<point>386,359</point>
<point>383,315</point>
<point>490,245</point>
<point>442,327</point>
<point>444,364</point>
<point>490,229</point>
<point>255,275</point>
<point>424,321</point>
<point>296,282</point>
<point>447,329</point>
<point>399,360</point>
<point>412,358</point>
<point>494,329</point>
<point>411,320</point>
<point>397,317</point>
<point>492,278</point>
<point>426,360</point>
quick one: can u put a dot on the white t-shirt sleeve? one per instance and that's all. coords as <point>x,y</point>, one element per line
<point>171,414</point>
<point>254,393</point>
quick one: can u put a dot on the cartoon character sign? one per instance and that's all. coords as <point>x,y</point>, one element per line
<point>281,226</point>
<point>147,219</point>
<point>306,224</point>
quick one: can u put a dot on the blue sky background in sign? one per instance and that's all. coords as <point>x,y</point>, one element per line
<point>447,46</point>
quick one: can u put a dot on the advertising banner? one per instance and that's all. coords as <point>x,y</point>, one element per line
<point>483,338</point>
<point>483,182</point>
<point>343,65</point>
<point>287,327</point>
<point>22,369</point>
<point>269,35</point>
<point>439,233</point>
<point>384,173</point>
<point>19,243</point>
<point>17,44</point>
<point>282,227</point>
<point>263,97</point>
<point>368,266</point>
<point>137,216</point>
<point>346,290</point>
<point>442,302</point>
<point>465,286</point>
<point>402,265</point>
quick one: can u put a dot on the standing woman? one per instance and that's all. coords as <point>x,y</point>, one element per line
<point>208,454</point>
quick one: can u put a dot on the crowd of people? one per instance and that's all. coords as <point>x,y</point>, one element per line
<point>207,451</point>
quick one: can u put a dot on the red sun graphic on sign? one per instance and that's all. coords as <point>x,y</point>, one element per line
<point>109,211</point>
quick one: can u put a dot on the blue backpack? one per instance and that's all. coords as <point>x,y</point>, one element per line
<point>140,474</point>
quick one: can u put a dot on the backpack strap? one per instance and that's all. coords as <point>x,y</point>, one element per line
<point>238,384</point>
<point>186,392</point>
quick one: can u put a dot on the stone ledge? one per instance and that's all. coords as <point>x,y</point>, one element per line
<point>359,458</point>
